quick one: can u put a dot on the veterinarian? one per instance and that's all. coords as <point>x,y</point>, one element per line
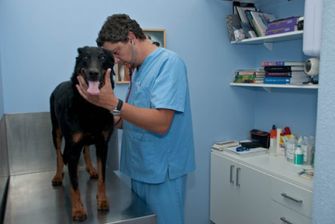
<point>157,149</point>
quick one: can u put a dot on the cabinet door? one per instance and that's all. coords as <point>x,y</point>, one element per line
<point>238,194</point>
<point>254,190</point>
<point>223,194</point>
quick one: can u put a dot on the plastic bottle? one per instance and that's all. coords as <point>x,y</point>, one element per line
<point>306,148</point>
<point>312,144</point>
<point>298,156</point>
<point>299,141</point>
<point>273,140</point>
<point>279,149</point>
<point>290,149</point>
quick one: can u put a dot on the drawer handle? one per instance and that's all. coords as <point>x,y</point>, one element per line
<point>284,220</point>
<point>291,198</point>
<point>238,176</point>
<point>231,174</point>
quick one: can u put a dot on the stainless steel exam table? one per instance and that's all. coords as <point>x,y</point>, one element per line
<point>26,149</point>
<point>32,199</point>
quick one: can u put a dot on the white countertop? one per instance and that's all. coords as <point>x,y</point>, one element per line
<point>276,166</point>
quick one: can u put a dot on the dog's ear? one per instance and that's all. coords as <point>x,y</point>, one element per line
<point>109,55</point>
<point>80,50</point>
<point>78,65</point>
<point>109,62</point>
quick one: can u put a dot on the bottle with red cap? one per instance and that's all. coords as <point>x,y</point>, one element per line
<point>273,140</point>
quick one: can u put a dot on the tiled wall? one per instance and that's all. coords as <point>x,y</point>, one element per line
<point>30,144</point>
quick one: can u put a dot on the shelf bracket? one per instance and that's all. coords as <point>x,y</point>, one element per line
<point>268,46</point>
<point>267,89</point>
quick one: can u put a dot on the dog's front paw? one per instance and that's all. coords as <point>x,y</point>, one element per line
<point>57,180</point>
<point>92,172</point>
<point>79,214</point>
<point>103,205</point>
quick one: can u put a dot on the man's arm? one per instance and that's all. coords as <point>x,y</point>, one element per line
<point>155,120</point>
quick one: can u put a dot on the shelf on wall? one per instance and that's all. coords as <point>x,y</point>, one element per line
<point>272,38</point>
<point>269,86</point>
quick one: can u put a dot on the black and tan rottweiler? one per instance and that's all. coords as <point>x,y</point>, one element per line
<point>81,124</point>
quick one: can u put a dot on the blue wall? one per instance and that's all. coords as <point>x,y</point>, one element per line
<point>1,87</point>
<point>38,47</point>
<point>281,106</point>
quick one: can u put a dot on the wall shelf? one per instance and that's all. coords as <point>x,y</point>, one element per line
<point>272,38</point>
<point>269,86</point>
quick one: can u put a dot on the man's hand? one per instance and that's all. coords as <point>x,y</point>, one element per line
<point>105,98</point>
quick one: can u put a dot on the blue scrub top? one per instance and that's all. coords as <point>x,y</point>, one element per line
<point>160,82</point>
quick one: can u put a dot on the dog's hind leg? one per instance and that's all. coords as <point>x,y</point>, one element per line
<point>57,139</point>
<point>88,162</point>
<point>78,211</point>
<point>102,200</point>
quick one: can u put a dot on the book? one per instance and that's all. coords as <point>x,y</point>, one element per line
<point>282,25</point>
<point>279,30</point>
<point>261,21</point>
<point>278,74</point>
<point>244,79</point>
<point>277,68</point>
<point>239,8</point>
<point>225,144</point>
<point>283,68</point>
<point>276,80</point>
<point>286,63</point>
<point>245,72</point>
<point>244,76</point>
<point>252,22</point>
<point>249,152</point>
<point>285,22</point>
<point>242,4</point>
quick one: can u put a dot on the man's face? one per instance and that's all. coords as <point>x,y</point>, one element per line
<point>122,51</point>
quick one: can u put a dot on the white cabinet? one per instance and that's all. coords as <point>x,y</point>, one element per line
<point>223,193</point>
<point>257,190</point>
<point>283,215</point>
<point>239,194</point>
<point>291,203</point>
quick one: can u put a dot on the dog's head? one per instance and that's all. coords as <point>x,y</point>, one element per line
<point>92,64</point>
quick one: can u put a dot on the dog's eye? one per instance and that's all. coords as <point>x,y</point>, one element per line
<point>102,58</point>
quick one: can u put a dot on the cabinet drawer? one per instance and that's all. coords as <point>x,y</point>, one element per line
<point>282,215</point>
<point>292,196</point>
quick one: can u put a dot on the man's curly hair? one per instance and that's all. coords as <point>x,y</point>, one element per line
<point>116,28</point>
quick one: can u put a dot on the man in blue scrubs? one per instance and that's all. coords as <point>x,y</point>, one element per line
<point>157,144</point>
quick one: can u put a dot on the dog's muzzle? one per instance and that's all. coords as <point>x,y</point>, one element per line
<point>92,79</point>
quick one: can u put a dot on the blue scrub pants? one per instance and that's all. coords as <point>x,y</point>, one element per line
<point>165,199</point>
